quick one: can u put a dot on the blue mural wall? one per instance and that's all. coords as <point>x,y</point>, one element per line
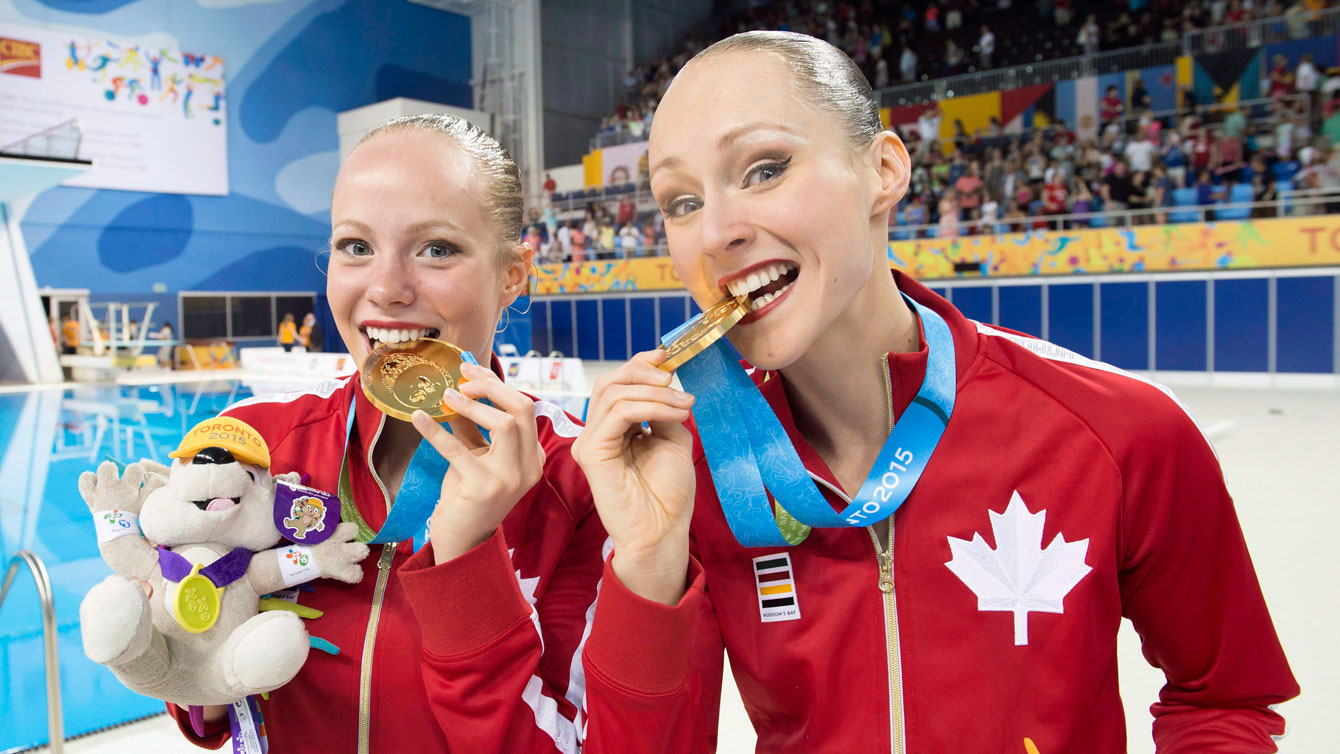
<point>291,66</point>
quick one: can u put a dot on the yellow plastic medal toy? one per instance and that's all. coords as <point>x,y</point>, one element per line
<point>197,604</point>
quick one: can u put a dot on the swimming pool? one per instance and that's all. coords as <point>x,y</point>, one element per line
<point>47,439</point>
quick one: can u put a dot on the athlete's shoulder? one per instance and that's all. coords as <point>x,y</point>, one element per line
<point>1118,405</point>
<point>274,415</point>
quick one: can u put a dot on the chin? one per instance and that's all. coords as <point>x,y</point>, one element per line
<point>770,351</point>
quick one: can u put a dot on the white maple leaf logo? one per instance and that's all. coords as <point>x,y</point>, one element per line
<point>1019,576</point>
<point>527,585</point>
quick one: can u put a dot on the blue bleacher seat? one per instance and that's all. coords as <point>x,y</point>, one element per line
<point>1240,193</point>
<point>1184,197</point>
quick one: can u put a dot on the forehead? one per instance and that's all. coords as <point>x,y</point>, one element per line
<point>409,177</point>
<point>717,94</point>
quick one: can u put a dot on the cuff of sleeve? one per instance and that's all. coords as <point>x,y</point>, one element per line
<point>216,734</point>
<point>466,603</point>
<point>643,645</point>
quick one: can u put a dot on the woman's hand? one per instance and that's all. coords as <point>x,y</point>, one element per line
<point>642,480</point>
<point>486,478</point>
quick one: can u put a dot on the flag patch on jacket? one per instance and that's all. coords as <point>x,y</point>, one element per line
<point>776,588</point>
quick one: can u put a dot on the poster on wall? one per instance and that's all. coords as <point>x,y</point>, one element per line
<point>153,119</point>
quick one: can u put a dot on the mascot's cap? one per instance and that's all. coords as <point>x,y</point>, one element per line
<point>233,435</point>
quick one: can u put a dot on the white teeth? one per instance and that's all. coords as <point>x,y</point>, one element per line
<point>775,271</point>
<point>758,279</point>
<point>386,335</point>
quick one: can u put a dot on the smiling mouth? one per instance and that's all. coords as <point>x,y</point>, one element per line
<point>379,335</point>
<point>764,285</point>
<point>217,504</point>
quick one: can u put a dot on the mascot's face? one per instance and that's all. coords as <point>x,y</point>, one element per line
<point>212,497</point>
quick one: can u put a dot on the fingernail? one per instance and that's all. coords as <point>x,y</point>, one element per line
<point>451,394</point>
<point>476,368</point>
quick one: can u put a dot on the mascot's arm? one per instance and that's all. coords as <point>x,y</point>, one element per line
<point>115,504</point>
<point>285,566</point>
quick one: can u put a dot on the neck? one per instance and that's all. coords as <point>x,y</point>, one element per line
<point>837,390</point>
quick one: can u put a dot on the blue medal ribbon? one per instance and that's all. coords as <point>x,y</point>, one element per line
<point>420,488</point>
<point>750,455</point>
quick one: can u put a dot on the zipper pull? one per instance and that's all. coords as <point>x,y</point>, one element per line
<point>388,554</point>
<point>886,572</point>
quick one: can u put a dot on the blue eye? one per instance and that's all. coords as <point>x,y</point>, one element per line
<point>354,247</point>
<point>766,172</point>
<point>439,250</point>
<point>682,206</point>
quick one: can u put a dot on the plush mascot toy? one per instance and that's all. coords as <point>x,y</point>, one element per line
<point>193,551</point>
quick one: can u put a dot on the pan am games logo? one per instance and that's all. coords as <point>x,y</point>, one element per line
<point>20,58</point>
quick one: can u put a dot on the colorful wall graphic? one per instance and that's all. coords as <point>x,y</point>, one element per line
<point>1250,244</point>
<point>153,117</point>
<point>291,67</point>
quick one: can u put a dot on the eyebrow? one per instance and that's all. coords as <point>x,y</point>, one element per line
<point>727,140</point>
<point>419,228</point>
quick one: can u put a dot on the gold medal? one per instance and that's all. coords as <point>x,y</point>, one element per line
<point>704,330</point>
<point>401,378</point>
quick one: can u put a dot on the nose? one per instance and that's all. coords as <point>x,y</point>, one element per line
<point>213,455</point>
<point>389,283</point>
<point>725,225</point>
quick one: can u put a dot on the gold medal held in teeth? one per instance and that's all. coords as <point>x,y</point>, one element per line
<point>401,378</point>
<point>704,330</point>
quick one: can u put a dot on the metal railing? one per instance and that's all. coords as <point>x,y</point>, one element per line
<point>1291,203</point>
<point>61,141</point>
<point>55,721</point>
<point>1243,36</point>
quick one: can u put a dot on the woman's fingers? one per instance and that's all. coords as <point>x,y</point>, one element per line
<point>452,449</point>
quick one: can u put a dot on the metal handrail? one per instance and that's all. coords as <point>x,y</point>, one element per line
<point>1282,205</point>
<point>55,721</point>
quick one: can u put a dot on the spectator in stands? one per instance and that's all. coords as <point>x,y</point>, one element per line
<point>628,241</point>
<point>565,241</point>
<point>550,221</point>
<point>1140,97</point>
<point>309,335</point>
<point>550,185</point>
<point>168,352</point>
<point>1174,158</point>
<point>606,238</point>
<point>968,187</point>
<point>949,214</point>
<point>1206,191</point>
<point>1228,157</point>
<point>1055,196</point>
<point>69,331</point>
<point>1062,13</point>
<point>954,58</point>
<point>580,239</point>
<point>932,18</point>
<point>1140,153</point>
<point>627,209</point>
<point>916,212</point>
<point>907,63</point>
<point>534,239</point>
<point>1281,79</point>
<point>1082,205</point>
<point>1110,107</point>
<point>1118,188</point>
<point>1161,188</point>
<point>881,73</point>
<point>1089,35</point>
<point>986,46</point>
<point>928,128</point>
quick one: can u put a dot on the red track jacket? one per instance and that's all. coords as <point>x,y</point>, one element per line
<point>1063,496</point>
<point>454,655</point>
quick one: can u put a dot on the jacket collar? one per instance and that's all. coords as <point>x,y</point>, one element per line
<point>906,372</point>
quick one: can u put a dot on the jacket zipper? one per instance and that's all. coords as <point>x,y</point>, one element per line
<point>374,616</point>
<point>885,558</point>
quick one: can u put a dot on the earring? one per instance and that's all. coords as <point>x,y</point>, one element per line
<point>316,260</point>
<point>504,322</point>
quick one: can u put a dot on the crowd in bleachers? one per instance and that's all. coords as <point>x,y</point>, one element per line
<point>896,42</point>
<point>1146,169</point>
<point>610,226</point>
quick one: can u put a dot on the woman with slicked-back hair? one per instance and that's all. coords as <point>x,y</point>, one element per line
<point>985,507</point>
<point>467,645</point>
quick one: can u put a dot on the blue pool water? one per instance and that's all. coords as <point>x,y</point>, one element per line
<point>47,438</point>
